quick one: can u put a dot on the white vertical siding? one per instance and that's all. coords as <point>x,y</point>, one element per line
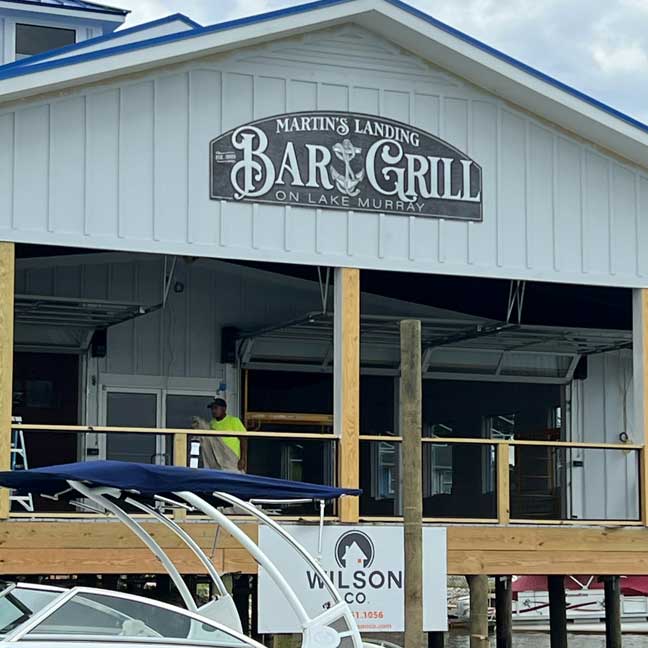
<point>184,339</point>
<point>606,487</point>
<point>125,166</point>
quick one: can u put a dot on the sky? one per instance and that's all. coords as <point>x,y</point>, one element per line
<point>597,46</point>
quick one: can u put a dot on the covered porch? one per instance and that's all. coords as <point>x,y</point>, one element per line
<point>526,427</point>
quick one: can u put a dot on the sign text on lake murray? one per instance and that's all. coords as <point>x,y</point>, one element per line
<point>348,161</point>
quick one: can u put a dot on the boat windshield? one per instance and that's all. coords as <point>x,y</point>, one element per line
<point>94,613</point>
<point>18,604</point>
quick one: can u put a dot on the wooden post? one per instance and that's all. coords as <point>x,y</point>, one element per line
<point>346,407</point>
<point>503,484</point>
<point>612,611</point>
<point>504,611</point>
<point>478,611</point>
<point>557,612</point>
<point>7,282</point>
<point>411,414</point>
<point>640,385</point>
<point>180,459</point>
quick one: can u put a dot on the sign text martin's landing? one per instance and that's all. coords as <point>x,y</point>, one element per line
<point>346,161</point>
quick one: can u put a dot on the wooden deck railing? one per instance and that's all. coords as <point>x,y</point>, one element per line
<point>502,446</point>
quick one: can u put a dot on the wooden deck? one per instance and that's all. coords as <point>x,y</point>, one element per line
<point>107,547</point>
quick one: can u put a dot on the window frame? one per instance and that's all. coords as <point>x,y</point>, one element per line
<point>23,633</point>
<point>82,32</point>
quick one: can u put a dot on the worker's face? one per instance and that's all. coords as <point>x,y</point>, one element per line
<point>218,412</point>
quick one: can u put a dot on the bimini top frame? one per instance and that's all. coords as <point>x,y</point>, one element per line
<point>116,485</point>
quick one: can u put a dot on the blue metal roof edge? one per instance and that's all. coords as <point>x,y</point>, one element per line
<point>95,8</point>
<point>7,72</point>
<point>31,60</point>
<point>11,70</point>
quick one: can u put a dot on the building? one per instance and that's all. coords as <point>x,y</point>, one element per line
<point>32,27</point>
<point>364,144</point>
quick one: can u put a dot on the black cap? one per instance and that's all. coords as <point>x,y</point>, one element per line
<point>217,402</point>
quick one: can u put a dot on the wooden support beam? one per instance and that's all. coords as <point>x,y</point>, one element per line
<point>347,386</point>
<point>612,611</point>
<point>478,585</point>
<point>411,415</point>
<point>640,385</point>
<point>180,459</point>
<point>503,484</point>
<point>504,611</point>
<point>7,282</point>
<point>557,612</point>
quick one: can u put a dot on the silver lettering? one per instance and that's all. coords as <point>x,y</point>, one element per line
<point>289,163</point>
<point>319,157</point>
<point>255,166</point>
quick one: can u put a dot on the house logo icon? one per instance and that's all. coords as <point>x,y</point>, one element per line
<point>354,549</point>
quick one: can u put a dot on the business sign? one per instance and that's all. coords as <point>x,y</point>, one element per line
<point>366,565</point>
<point>348,161</point>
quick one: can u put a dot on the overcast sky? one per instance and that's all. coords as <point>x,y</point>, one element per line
<point>597,46</point>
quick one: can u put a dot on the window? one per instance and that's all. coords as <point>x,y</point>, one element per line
<point>384,470</point>
<point>292,462</point>
<point>182,408</point>
<point>95,614</point>
<point>17,605</point>
<point>35,39</point>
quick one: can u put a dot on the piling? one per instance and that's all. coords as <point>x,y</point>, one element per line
<point>478,611</point>
<point>612,611</point>
<point>411,414</point>
<point>557,612</point>
<point>504,611</point>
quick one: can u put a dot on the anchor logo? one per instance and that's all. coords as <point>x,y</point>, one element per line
<point>347,183</point>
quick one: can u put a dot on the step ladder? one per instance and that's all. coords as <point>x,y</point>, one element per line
<point>19,462</point>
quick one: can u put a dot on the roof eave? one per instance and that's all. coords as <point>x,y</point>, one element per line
<point>596,123</point>
<point>527,90</point>
<point>112,16</point>
<point>176,51</point>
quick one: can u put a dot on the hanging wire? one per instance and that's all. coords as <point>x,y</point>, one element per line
<point>324,287</point>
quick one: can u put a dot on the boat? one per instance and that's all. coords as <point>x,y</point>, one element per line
<point>54,617</point>
<point>585,600</point>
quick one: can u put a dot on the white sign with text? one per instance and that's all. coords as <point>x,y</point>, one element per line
<point>366,564</point>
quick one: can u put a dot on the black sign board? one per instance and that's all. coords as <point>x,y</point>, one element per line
<point>349,161</point>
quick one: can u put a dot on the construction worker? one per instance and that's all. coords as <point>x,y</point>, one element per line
<point>222,422</point>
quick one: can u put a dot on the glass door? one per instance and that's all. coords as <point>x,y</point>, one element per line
<point>133,408</point>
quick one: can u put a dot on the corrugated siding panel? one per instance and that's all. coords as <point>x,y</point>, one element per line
<point>126,167</point>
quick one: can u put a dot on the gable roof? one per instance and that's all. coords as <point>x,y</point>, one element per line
<point>177,22</point>
<point>76,5</point>
<point>398,22</point>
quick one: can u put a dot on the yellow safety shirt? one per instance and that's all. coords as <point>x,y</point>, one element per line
<point>229,424</point>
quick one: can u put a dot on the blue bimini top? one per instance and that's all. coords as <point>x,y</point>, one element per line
<point>148,479</point>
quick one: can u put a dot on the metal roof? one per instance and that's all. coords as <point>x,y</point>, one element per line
<point>76,5</point>
<point>70,50</point>
<point>301,9</point>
